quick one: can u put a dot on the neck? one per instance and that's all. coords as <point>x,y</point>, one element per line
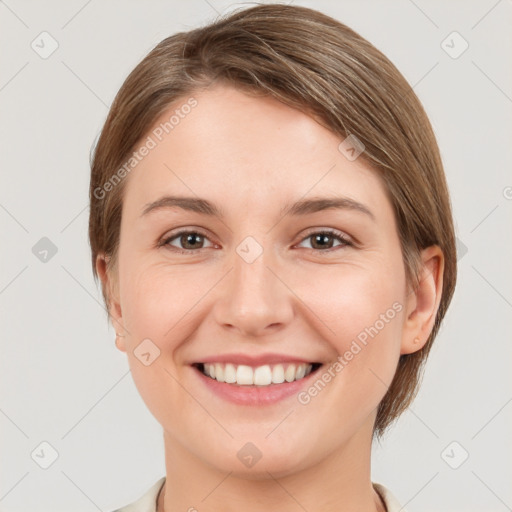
<point>339,482</point>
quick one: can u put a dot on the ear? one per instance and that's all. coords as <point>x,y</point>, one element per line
<point>109,282</point>
<point>422,303</point>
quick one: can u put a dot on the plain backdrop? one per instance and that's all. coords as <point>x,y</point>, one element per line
<point>62,381</point>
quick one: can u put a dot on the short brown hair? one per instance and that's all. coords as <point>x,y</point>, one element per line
<point>316,64</point>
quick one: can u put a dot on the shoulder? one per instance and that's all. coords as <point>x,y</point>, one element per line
<point>392,504</point>
<point>147,502</point>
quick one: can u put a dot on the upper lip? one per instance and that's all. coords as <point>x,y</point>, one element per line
<point>258,360</point>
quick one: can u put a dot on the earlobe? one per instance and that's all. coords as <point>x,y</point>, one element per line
<point>120,343</point>
<point>108,282</point>
<point>423,302</point>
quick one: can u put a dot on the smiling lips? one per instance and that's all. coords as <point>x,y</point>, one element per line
<point>255,380</point>
<point>265,375</point>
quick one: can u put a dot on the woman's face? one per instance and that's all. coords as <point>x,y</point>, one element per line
<point>256,282</point>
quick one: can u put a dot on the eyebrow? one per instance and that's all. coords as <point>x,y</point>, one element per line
<point>314,205</point>
<point>303,207</point>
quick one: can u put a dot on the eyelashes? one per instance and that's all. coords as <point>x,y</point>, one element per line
<point>331,233</point>
<point>180,235</point>
<point>188,236</point>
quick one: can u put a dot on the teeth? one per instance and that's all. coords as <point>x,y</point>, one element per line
<point>289,374</point>
<point>278,374</point>
<point>265,375</point>
<point>244,375</point>
<point>219,372</point>
<point>229,373</point>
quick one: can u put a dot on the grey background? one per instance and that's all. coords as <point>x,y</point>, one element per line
<point>62,379</point>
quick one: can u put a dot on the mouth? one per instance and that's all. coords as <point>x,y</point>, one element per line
<point>257,376</point>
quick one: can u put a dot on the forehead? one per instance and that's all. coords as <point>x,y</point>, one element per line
<point>245,151</point>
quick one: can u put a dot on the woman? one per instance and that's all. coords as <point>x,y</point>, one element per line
<point>272,229</point>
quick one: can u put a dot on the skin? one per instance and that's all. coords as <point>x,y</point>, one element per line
<point>251,156</point>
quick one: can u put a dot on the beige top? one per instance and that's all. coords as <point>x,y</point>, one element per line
<point>147,502</point>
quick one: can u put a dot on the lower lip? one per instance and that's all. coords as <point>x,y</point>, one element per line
<point>254,395</point>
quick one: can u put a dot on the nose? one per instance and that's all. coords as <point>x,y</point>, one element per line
<point>254,300</point>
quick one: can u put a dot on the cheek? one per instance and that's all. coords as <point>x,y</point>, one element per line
<point>159,299</point>
<point>351,300</point>
<point>360,314</point>
<point>152,292</point>
<point>158,305</point>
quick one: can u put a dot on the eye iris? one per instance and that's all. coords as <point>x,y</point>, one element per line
<point>190,238</point>
<point>322,238</point>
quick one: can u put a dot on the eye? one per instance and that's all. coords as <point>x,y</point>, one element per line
<point>190,241</point>
<point>324,239</point>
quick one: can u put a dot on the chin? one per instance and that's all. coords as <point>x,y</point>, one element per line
<point>255,460</point>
